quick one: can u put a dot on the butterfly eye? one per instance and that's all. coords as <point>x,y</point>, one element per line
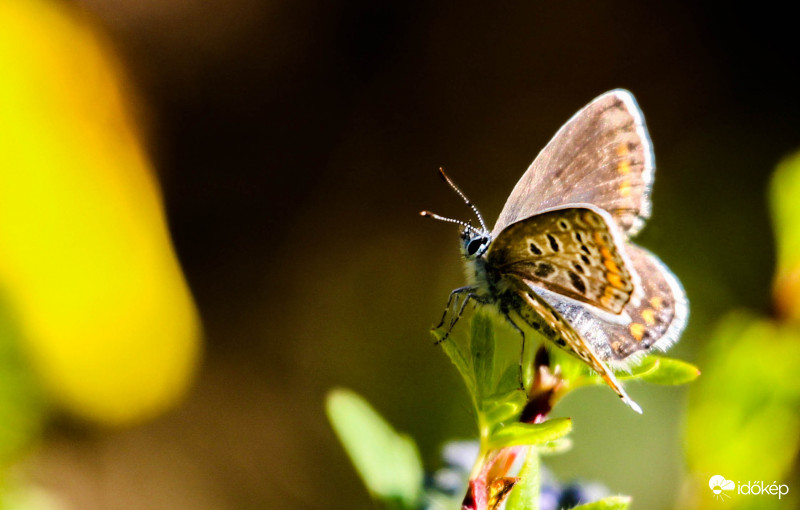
<point>475,245</point>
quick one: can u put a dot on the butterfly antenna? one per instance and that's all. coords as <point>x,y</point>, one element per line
<point>435,216</point>
<point>464,198</point>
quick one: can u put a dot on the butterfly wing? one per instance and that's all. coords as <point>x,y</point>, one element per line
<point>601,156</point>
<point>653,319</point>
<point>572,251</point>
<point>537,313</point>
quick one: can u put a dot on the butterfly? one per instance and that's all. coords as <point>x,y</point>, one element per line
<point>559,259</point>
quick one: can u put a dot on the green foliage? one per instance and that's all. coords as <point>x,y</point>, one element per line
<point>743,412</point>
<point>525,495</point>
<point>742,421</point>
<point>496,400</point>
<point>482,348</point>
<point>520,434</point>
<point>464,366</point>
<point>388,462</point>
<point>498,403</point>
<point>785,207</point>
<point>653,369</point>
<point>665,371</point>
<point>22,406</point>
<point>609,503</point>
<point>785,204</point>
<point>503,407</point>
<point>28,498</point>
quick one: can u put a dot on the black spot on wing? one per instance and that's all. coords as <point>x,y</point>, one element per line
<point>577,282</point>
<point>553,243</point>
<point>544,270</point>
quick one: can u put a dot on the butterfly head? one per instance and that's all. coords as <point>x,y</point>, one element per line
<point>474,241</point>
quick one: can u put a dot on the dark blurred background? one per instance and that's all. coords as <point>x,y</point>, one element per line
<point>295,143</point>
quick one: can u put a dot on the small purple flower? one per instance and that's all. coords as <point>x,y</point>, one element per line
<point>576,494</point>
<point>460,454</point>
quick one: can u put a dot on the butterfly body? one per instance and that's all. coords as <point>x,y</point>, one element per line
<point>559,259</point>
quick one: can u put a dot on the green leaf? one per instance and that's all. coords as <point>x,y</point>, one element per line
<point>785,207</point>
<point>555,447</point>
<point>669,371</point>
<point>647,366</point>
<point>23,405</point>
<point>463,364</point>
<point>16,496</point>
<point>783,193</point>
<point>435,500</point>
<point>572,369</point>
<point>388,462</point>
<point>520,434</point>
<point>482,350</point>
<point>525,494</point>
<point>509,381</point>
<point>499,408</point>
<point>655,370</point>
<point>746,402</point>
<point>609,503</point>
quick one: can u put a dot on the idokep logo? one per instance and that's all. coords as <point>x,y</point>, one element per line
<point>719,485</point>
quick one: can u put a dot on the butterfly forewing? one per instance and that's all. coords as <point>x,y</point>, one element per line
<point>602,156</point>
<point>653,319</point>
<point>574,251</point>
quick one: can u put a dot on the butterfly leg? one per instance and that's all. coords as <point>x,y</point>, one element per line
<point>453,296</point>
<point>521,351</point>
<point>561,332</point>
<point>457,316</point>
<point>469,295</point>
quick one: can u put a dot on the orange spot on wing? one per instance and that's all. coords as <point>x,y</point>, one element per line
<point>624,167</point>
<point>622,150</point>
<point>615,280</point>
<point>625,188</point>
<point>637,331</point>
<point>611,266</point>
<point>649,316</point>
<point>608,297</point>
<point>656,302</point>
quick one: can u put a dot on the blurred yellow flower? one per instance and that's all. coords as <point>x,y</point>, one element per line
<point>86,261</point>
<point>785,205</point>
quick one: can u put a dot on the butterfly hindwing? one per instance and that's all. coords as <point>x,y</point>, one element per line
<point>573,251</point>
<point>601,156</point>
<point>652,320</point>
